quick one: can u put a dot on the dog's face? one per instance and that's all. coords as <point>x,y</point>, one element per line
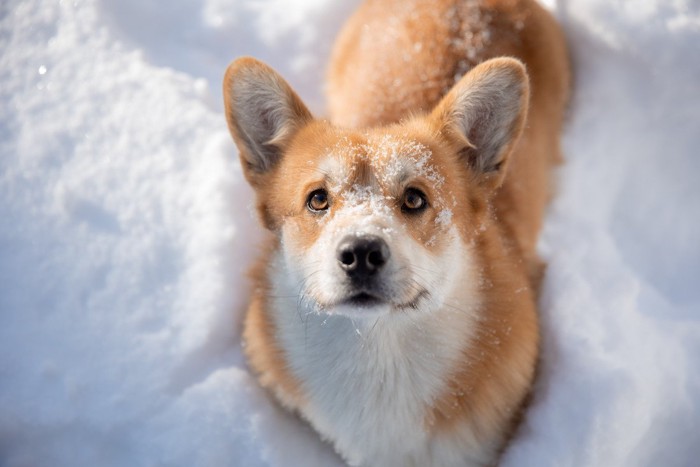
<point>377,220</point>
<point>366,220</point>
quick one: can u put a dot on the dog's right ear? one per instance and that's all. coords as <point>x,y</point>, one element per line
<point>263,112</point>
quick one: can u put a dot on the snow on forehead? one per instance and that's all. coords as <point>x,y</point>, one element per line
<point>396,159</point>
<point>391,160</point>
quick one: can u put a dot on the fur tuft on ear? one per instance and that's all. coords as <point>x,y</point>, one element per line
<point>262,112</point>
<point>484,113</point>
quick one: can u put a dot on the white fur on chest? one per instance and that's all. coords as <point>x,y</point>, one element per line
<point>370,381</point>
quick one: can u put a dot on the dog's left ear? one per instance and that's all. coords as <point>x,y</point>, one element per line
<point>263,112</point>
<point>483,116</point>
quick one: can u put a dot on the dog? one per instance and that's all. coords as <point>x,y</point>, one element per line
<point>394,306</point>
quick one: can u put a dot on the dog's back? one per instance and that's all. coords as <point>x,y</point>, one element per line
<point>395,58</point>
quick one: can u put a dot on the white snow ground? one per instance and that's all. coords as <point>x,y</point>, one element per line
<point>125,231</point>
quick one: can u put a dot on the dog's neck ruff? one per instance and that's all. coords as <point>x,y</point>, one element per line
<point>372,381</point>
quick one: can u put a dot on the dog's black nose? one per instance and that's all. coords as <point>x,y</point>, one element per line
<point>362,256</point>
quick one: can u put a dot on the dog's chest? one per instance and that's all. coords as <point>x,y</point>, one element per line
<point>365,394</point>
<point>370,386</point>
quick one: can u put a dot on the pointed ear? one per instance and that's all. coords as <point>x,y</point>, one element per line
<point>484,114</point>
<point>263,112</point>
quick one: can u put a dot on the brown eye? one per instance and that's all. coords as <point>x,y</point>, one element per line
<point>413,201</point>
<point>317,201</point>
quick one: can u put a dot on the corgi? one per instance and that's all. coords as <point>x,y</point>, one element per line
<point>394,306</point>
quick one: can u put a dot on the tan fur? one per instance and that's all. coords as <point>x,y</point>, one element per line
<point>261,347</point>
<point>412,81</point>
<point>392,68</point>
<point>378,75</point>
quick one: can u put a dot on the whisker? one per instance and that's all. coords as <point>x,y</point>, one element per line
<point>370,333</point>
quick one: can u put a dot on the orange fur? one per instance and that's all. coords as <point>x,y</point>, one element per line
<point>379,76</point>
<point>261,347</point>
<point>394,86</point>
<point>395,61</point>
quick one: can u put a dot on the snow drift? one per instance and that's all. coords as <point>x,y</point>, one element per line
<point>126,229</point>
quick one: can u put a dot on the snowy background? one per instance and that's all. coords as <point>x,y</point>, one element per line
<point>126,229</point>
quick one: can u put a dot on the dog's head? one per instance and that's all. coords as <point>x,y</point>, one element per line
<point>383,219</point>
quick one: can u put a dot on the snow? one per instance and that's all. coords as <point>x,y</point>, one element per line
<point>126,230</point>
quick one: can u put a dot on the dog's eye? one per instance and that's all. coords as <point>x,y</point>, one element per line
<point>317,201</point>
<point>413,201</point>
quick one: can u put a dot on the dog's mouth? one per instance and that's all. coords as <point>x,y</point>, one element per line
<point>363,300</point>
<point>366,300</point>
